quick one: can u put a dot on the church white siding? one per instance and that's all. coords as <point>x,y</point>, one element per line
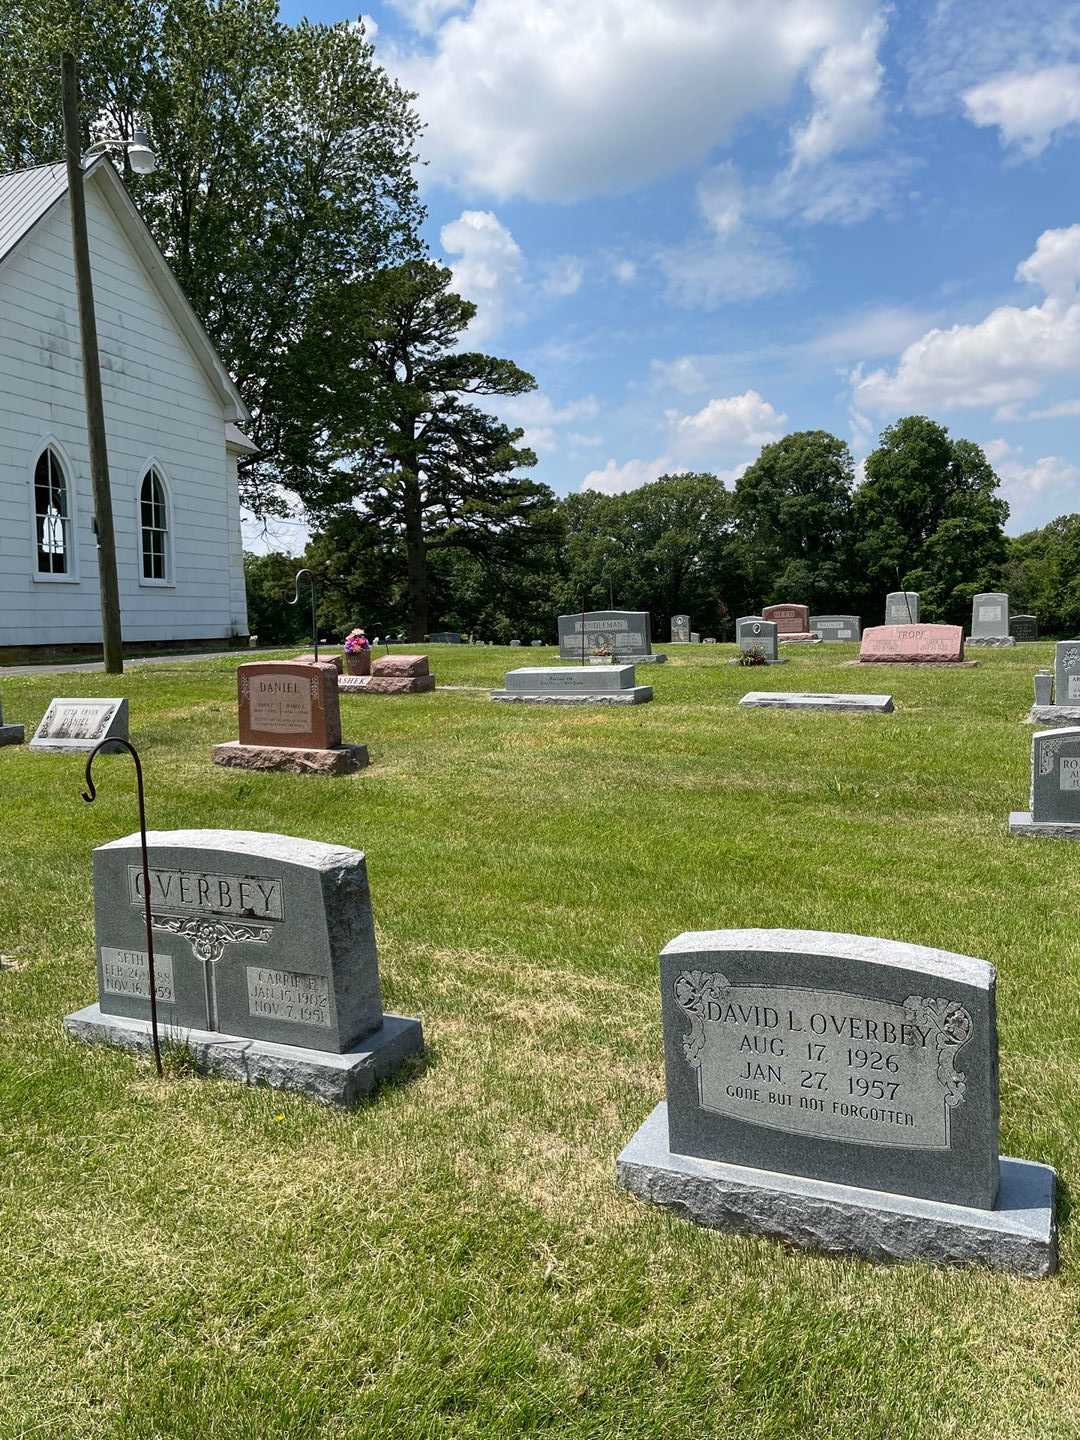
<point>162,408</point>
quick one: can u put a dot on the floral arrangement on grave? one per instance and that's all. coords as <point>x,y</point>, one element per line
<point>357,653</point>
<point>753,656</point>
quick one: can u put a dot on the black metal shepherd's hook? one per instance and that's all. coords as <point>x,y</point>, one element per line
<point>90,798</point>
<point>313,583</point>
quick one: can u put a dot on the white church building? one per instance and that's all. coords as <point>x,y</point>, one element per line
<point>174,422</point>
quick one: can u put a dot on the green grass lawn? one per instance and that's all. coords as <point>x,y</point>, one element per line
<point>193,1258</point>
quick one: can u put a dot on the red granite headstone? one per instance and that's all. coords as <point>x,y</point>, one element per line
<point>912,645</point>
<point>400,665</point>
<point>790,619</point>
<point>289,703</point>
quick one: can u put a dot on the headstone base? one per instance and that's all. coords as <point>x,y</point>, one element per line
<point>780,660</point>
<point>12,734</point>
<point>320,1074</point>
<point>779,700</point>
<point>801,637</point>
<point>1021,823</point>
<point>990,640</point>
<point>1018,1237</point>
<point>1054,715</point>
<point>386,684</point>
<point>916,664</point>
<point>633,695</point>
<point>655,657</point>
<point>345,760</point>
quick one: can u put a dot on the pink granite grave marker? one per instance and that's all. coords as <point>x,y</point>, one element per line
<point>912,645</point>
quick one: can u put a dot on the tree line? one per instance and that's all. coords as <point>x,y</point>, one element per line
<point>796,526</point>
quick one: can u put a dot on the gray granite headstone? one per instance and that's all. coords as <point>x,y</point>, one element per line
<point>680,629</point>
<point>10,734</point>
<point>1055,786</point>
<point>259,937</point>
<point>76,724</point>
<point>1067,672</point>
<point>839,1091</point>
<point>602,684</point>
<point>626,634</point>
<point>695,637</point>
<point>990,618</point>
<point>446,637</point>
<point>844,1057</point>
<point>837,627</point>
<point>752,633</point>
<point>902,607</point>
<point>1024,628</point>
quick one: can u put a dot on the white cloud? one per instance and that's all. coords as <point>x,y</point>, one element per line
<point>556,100</point>
<point>964,43</point>
<point>735,422</point>
<point>624,271</point>
<point>720,198</point>
<point>1028,106</point>
<point>1050,480</point>
<point>845,82</point>
<point>489,270</point>
<point>683,374</point>
<point>880,330</point>
<point>616,479</point>
<point>426,15</point>
<point>564,276</point>
<point>841,192</point>
<point>1055,264</point>
<point>729,428</point>
<point>710,273</point>
<point>542,419</point>
<point>1002,360</point>
<point>1062,410</point>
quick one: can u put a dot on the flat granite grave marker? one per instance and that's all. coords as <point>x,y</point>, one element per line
<point>837,627</point>
<point>792,622</point>
<point>902,607</point>
<point>70,724</point>
<point>795,700</point>
<point>10,734</point>
<point>990,619</point>
<point>1024,628</point>
<point>290,720</point>
<point>839,1092</point>
<point>573,685</point>
<point>624,634</point>
<point>265,961</point>
<point>680,629</point>
<point>392,675</point>
<point>755,635</point>
<point>1055,787</point>
<point>912,645</point>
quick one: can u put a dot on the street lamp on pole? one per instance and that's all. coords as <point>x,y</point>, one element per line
<point>143,162</point>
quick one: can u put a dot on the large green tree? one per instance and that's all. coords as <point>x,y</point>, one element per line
<point>286,162</point>
<point>665,547</point>
<point>389,433</point>
<point>928,518</point>
<point>794,506</point>
<point>1042,575</point>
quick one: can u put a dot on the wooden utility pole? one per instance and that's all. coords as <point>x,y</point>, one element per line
<point>112,640</point>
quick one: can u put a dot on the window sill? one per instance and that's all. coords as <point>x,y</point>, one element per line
<point>157,584</point>
<point>39,579</point>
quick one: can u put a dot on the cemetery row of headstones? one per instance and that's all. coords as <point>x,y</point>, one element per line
<point>836,1091</point>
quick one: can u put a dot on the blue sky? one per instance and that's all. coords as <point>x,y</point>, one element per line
<point>703,223</point>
